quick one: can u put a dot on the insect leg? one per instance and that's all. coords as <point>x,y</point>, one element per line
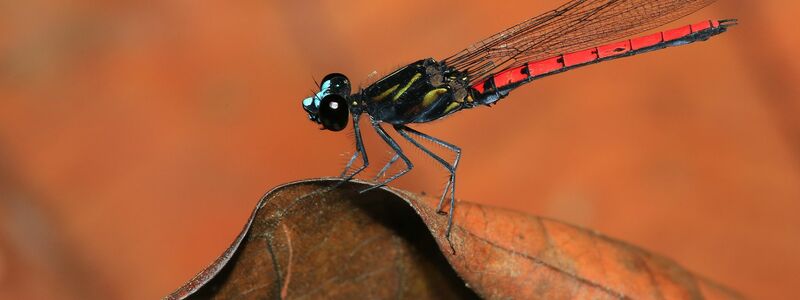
<point>349,164</point>
<point>388,139</point>
<point>451,184</point>
<point>359,151</point>
<point>386,167</point>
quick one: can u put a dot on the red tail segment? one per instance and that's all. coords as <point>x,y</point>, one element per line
<point>506,80</point>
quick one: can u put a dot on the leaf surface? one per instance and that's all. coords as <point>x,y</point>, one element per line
<point>308,240</point>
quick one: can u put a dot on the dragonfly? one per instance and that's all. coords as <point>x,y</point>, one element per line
<point>575,34</point>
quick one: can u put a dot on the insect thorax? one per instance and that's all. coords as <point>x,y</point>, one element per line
<point>420,92</point>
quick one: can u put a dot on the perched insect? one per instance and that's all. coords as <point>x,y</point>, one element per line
<point>573,35</point>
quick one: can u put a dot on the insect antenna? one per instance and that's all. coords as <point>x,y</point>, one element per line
<point>316,84</point>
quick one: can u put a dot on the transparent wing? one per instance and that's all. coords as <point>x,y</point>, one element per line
<point>576,25</point>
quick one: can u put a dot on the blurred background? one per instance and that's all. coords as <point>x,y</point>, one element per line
<point>137,136</point>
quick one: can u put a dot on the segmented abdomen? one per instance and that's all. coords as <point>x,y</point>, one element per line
<point>498,85</point>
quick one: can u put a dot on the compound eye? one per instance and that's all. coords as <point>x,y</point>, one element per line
<point>336,83</point>
<point>339,77</point>
<point>333,112</point>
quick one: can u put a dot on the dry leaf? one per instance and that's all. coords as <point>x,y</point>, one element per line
<point>307,240</point>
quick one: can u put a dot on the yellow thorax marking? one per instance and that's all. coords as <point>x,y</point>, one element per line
<point>403,90</point>
<point>432,96</point>
<point>450,107</point>
<point>386,93</point>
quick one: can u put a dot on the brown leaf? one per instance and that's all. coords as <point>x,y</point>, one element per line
<point>309,240</point>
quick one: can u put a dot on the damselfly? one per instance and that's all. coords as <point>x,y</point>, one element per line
<point>573,35</point>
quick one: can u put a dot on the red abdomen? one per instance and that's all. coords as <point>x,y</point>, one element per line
<point>496,86</point>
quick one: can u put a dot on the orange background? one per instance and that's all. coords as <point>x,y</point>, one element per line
<point>136,137</point>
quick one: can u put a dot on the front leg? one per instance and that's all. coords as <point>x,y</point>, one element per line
<point>359,151</point>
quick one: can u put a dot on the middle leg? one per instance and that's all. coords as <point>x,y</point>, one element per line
<point>398,152</point>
